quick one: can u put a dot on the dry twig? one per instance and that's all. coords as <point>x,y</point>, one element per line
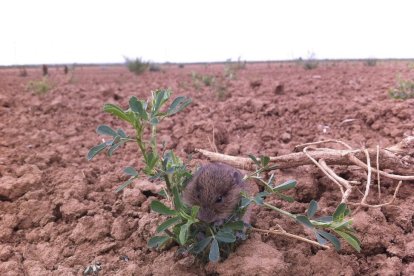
<point>397,158</point>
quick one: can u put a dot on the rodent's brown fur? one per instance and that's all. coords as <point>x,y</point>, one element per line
<point>211,183</point>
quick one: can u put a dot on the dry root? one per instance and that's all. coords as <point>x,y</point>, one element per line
<point>398,159</point>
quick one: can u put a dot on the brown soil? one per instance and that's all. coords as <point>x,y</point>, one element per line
<point>59,212</point>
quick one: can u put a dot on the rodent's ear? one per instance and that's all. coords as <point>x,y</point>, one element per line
<point>237,177</point>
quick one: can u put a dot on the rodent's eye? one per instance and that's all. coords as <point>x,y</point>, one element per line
<point>219,199</point>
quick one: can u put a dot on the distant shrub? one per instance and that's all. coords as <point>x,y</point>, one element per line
<point>137,66</point>
<point>180,65</point>
<point>40,86</point>
<point>403,90</point>
<point>310,63</point>
<point>370,62</point>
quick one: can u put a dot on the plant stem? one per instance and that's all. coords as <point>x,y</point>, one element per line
<point>286,234</point>
<point>286,213</point>
<point>141,145</point>
<point>168,184</point>
<point>154,139</point>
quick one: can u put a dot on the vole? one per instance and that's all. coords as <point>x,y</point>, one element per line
<point>216,188</point>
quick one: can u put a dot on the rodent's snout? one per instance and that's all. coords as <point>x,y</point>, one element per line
<point>206,215</point>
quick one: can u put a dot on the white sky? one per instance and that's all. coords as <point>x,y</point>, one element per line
<point>63,31</point>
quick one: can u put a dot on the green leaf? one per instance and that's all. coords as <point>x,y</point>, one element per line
<point>321,240</point>
<point>351,239</point>
<point>290,184</point>
<point>177,198</point>
<point>194,211</point>
<point>341,225</point>
<point>169,222</point>
<point>264,160</point>
<point>117,112</point>
<point>160,208</point>
<point>214,254</point>
<point>328,236</point>
<point>183,233</point>
<point>126,184</point>
<point>245,202</point>
<point>201,245</point>
<point>325,219</point>
<point>106,130</point>
<point>160,98</point>
<point>313,207</point>
<point>258,199</point>
<point>154,121</point>
<point>257,162</point>
<point>113,148</point>
<point>285,197</point>
<point>121,133</point>
<point>95,150</point>
<point>130,171</point>
<point>157,241</point>
<point>162,193</point>
<point>177,105</point>
<point>339,213</point>
<point>304,220</point>
<point>236,225</point>
<point>138,107</point>
<point>151,161</point>
<point>227,237</point>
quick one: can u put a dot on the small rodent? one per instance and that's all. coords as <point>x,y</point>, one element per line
<point>216,188</point>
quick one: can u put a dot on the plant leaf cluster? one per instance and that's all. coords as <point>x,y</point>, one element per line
<point>403,90</point>
<point>336,223</point>
<point>182,226</point>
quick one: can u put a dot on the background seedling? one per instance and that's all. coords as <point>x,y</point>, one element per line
<point>137,65</point>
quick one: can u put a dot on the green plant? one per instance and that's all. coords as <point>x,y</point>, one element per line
<point>403,90</point>
<point>231,68</point>
<point>182,226</point>
<point>310,63</point>
<point>40,86</point>
<point>207,80</point>
<point>137,66</point>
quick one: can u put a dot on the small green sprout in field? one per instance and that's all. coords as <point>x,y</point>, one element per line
<point>136,66</point>
<point>209,241</point>
<point>403,90</point>
<point>231,68</point>
<point>40,86</point>
<point>207,80</point>
<point>310,63</point>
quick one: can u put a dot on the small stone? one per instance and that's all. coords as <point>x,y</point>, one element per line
<point>286,137</point>
<point>232,149</point>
